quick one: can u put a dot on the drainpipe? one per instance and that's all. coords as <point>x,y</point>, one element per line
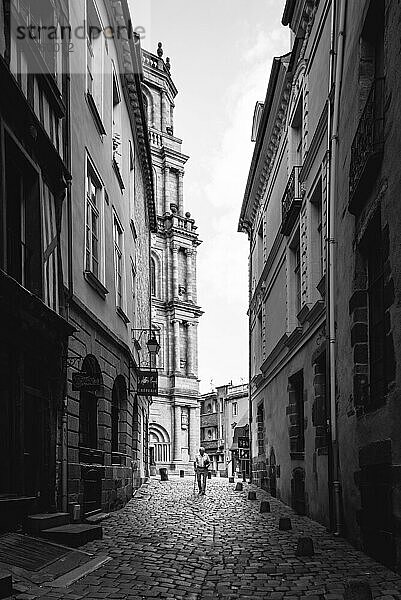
<point>250,416</point>
<point>331,244</point>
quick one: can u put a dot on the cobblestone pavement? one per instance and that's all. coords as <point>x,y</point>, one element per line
<point>168,543</point>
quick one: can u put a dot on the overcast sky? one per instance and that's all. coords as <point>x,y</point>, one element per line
<point>221,53</point>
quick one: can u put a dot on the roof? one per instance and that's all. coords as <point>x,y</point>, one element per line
<point>277,76</point>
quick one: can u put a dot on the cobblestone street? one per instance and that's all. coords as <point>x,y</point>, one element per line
<point>169,543</point>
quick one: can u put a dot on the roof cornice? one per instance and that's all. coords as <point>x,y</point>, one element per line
<point>267,140</point>
<point>130,65</point>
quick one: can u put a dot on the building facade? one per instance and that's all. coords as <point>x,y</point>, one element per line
<point>368,280</point>
<point>174,416</point>
<point>284,214</point>
<point>224,417</point>
<point>108,218</point>
<point>34,123</point>
<point>322,214</point>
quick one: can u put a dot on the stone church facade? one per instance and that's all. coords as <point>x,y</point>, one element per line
<point>174,417</point>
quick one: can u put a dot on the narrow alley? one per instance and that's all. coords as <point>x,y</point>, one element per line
<point>171,543</point>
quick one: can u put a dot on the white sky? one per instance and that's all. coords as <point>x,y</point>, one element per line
<point>221,53</point>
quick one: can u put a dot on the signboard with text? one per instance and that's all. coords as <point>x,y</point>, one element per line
<point>148,383</point>
<point>243,442</point>
<point>82,381</point>
<point>243,454</point>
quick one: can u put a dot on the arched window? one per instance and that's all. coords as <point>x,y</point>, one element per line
<point>88,406</point>
<point>153,277</point>
<point>148,105</point>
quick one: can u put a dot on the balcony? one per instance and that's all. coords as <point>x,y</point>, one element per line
<point>291,202</point>
<point>367,147</point>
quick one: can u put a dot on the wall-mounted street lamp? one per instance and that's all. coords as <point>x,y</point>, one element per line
<point>153,344</point>
<point>147,375</point>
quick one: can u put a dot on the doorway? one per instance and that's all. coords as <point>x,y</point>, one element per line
<point>273,474</point>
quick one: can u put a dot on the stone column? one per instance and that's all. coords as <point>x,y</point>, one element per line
<point>190,274</point>
<point>164,117</point>
<point>166,172</point>
<point>180,193</point>
<point>193,432</point>
<point>194,291</point>
<point>174,250</point>
<point>177,433</point>
<point>190,349</point>
<point>176,325</point>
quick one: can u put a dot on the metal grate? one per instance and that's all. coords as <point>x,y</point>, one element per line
<point>27,552</point>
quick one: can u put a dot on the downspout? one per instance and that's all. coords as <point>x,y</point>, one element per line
<point>331,244</point>
<point>250,416</point>
<point>64,417</point>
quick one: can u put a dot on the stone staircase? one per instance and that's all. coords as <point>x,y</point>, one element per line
<point>6,585</point>
<point>56,527</point>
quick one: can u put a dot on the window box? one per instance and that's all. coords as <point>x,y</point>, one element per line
<point>95,113</point>
<point>96,284</point>
<point>122,315</point>
<point>291,202</point>
<point>117,171</point>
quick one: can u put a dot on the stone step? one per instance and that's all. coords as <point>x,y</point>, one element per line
<point>37,523</point>
<point>98,518</point>
<point>73,535</point>
<point>6,585</point>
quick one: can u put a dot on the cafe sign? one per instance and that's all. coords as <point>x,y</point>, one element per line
<point>82,381</point>
<point>148,383</point>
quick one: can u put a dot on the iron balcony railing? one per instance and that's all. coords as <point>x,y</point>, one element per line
<point>291,201</point>
<point>367,146</point>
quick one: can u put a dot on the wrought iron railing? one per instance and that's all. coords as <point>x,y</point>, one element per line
<point>367,146</point>
<point>291,201</point>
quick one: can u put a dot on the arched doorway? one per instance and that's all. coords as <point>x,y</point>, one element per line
<point>159,445</point>
<point>89,456</point>
<point>273,474</point>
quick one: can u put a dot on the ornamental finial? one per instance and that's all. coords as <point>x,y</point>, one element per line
<point>168,64</point>
<point>159,50</point>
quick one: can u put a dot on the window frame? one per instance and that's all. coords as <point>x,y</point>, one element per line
<point>90,170</point>
<point>118,253</point>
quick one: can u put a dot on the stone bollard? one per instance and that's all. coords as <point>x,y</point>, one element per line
<point>251,495</point>
<point>231,480</point>
<point>284,524</point>
<point>357,590</point>
<point>238,487</point>
<point>265,506</point>
<point>305,547</point>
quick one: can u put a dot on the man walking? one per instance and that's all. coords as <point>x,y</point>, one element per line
<point>201,466</point>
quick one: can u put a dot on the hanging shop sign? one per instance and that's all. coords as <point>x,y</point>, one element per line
<point>243,442</point>
<point>148,383</point>
<point>82,381</point>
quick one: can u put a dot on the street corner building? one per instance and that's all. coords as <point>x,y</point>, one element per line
<point>174,413</point>
<point>224,419</point>
<point>77,212</point>
<point>322,215</point>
